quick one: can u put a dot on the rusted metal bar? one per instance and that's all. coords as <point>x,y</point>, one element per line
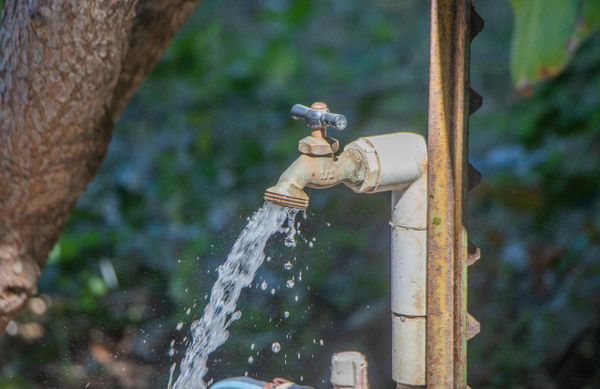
<point>440,240</point>
<point>460,163</point>
<point>447,235</point>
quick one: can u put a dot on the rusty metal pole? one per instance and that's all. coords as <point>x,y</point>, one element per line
<point>447,245</point>
<point>440,212</point>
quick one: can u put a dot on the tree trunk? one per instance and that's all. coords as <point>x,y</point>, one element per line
<point>67,70</point>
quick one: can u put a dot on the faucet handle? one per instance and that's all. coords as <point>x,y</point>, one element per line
<point>318,116</point>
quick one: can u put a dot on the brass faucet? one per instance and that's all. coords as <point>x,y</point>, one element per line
<point>318,166</point>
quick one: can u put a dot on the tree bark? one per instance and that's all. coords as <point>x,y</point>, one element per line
<point>67,70</point>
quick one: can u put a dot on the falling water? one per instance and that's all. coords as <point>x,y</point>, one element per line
<point>210,331</point>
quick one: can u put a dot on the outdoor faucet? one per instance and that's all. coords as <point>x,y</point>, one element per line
<point>395,162</point>
<point>318,166</point>
<point>388,162</point>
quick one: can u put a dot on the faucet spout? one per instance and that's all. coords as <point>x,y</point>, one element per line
<point>318,172</point>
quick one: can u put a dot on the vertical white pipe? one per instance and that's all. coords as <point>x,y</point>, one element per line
<point>409,249</point>
<point>408,283</point>
<point>408,351</point>
<point>397,162</point>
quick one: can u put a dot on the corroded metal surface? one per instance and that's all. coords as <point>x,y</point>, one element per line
<point>449,100</point>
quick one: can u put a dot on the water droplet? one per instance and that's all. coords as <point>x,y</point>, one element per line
<point>288,265</point>
<point>296,298</point>
<point>188,311</point>
<point>276,347</point>
<point>268,259</point>
<point>264,285</point>
<point>290,241</point>
<point>321,342</point>
<point>310,244</point>
<point>252,346</point>
<point>286,314</point>
<point>179,326</point>
<point>250,359</point>
<point>273,291</point>
<point>290,284</point>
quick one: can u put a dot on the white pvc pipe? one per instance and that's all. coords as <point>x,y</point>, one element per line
<point>398,162</point>
<point>408,273</point>
<point>393,161</point>
<point>408,283</point>
<point>409,249</point>
<point>408,350</point>
<point>349,371</point>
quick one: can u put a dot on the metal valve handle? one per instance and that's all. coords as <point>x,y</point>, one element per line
<point>318,116</point>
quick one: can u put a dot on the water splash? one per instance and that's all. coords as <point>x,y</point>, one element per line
<point>276,347</point>
<point>210,331</point>
<point>290,239</point>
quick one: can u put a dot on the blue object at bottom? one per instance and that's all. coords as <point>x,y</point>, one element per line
<point>239,383</point>
<point>247,383</point>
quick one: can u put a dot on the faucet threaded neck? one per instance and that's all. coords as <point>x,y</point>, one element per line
<point>272,196</point>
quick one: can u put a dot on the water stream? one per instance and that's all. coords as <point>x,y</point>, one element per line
<point>210,331</point>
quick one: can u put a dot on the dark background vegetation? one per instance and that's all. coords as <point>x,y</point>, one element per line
<point>210,130</point>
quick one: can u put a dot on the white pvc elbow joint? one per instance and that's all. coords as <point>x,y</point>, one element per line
<point>392,161</point>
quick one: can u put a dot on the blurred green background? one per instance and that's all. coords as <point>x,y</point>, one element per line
<point>210,130</point>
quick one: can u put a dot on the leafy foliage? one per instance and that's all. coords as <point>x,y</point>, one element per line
<point>546,35</point>
<point>536,215</point>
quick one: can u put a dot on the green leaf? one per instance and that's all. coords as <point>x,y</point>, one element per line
<point>96,286</point>
<point>546,35</point>
<point>542,35</point>
<point>590,21</point>
<point>54,256</point>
